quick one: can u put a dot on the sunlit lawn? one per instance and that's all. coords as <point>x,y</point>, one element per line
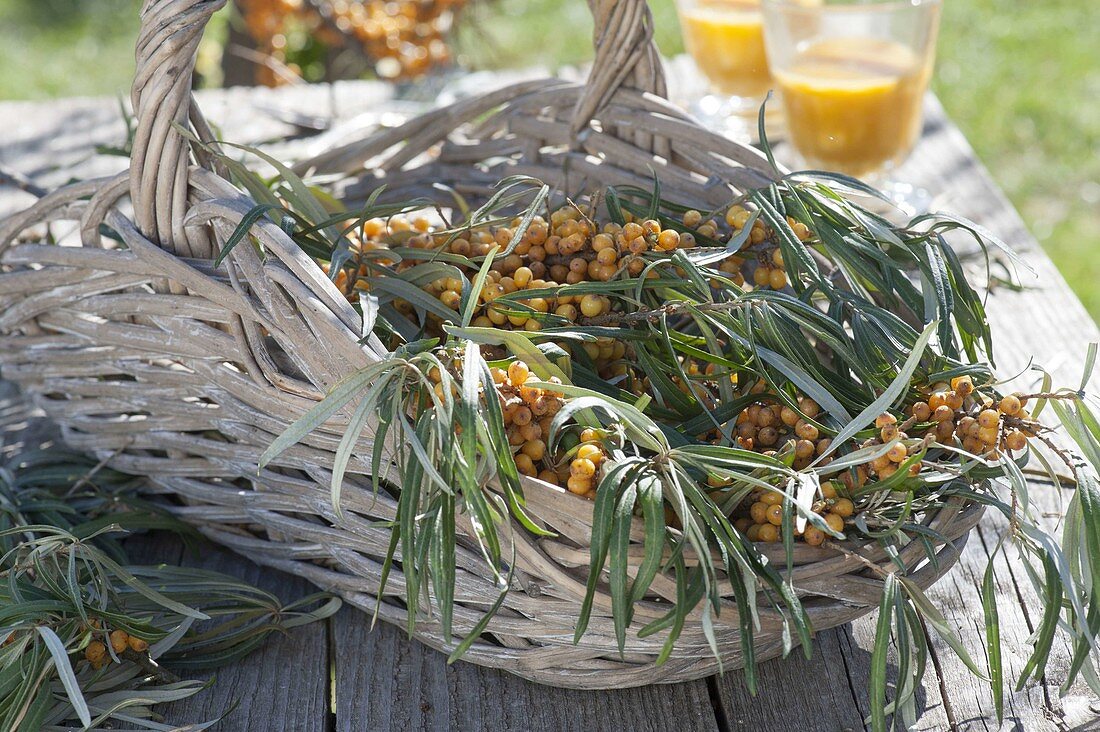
<point>1020,77</point>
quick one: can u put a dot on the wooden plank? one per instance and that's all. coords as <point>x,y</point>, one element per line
<point>1046,322</point>
<point>797,688</point>
<point>388,683</point>
<point>281,687</point>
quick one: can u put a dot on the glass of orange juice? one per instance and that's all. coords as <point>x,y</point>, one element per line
<point>852,76</point>
<point>726,40</point>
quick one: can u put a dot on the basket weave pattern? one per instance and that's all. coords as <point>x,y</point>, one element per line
<point>144,352</point>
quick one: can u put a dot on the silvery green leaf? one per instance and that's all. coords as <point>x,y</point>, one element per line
<point>65,673</point>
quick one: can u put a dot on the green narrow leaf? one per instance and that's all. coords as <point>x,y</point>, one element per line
<point>255,214</point>
<point>880,653</point>
<point>1044,637</point>
<point>65,673</point>
<point>898,387</point>
<point>993,638</point>
<point>344,450</point>
<point>653,514</point>
<point>602,518</point>
<point>620,561</point>
<point>333,402</point>
<point>473,294</point>
<point>483,623</point>
<point>1090,362</point>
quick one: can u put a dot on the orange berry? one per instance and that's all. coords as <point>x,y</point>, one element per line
<point>1010,404</point>
<point>771,498</point>
<point>806,431</point>
<point>589,435</point>
<point>844,507</point>
<point>668,239</point>
<point>518,373</point>
<point>119,640</point>
<point>775,515</point>
<point>582,467</point>
<point>96,652</point>
<point>525,465</point>
<point>942,413</point>
<point>897,453</point>
<point>809,407</point>
<point>813,536</point>
<point>989,419</point>
<point>578,485</point>
<point>964,385</point>
<point>590,452</point>
<point>534,449</point>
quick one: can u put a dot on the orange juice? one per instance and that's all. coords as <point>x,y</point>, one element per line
<point>854,104</point>
<point>726,39</point>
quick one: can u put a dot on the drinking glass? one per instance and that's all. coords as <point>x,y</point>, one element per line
<point>852,76</point>
<point>726,40</point>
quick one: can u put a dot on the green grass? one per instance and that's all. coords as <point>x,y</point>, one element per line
<point>54,48</point>
<point>1015,74</point>
<point>1022,85</point>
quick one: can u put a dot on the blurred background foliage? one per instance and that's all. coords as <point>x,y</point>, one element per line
<point>1015,76</point>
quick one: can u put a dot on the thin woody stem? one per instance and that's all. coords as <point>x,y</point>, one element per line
<point>1068,395</point>
<point>671,308</point>
<point>17,180</point>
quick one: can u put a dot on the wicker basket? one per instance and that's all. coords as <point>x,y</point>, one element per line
<point>184,372</point>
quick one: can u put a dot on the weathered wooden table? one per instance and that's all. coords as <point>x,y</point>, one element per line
<point>341,675</point>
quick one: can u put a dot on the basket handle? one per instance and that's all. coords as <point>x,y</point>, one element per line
<point>161,95</point>
<point>626,56</point>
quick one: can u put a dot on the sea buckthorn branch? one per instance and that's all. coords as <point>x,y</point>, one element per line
<point>98,620</point>
<point>693,388</point>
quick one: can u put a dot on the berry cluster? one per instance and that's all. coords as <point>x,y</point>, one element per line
<point>768,426</point>
<point>121,641</point>
<point>584,467</point>
<point>569,247</point>
<point>765,516</point>
<point>985,424</point>
<point>528,412</point>
<point>402,38</point>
